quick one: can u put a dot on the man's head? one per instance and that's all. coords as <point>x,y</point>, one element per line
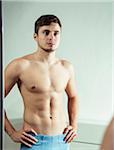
<point>47,32</point>
<point>46,20</point>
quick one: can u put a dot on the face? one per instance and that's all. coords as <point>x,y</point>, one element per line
<point>48,37</point>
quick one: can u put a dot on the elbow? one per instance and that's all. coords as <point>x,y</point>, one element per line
<point>73,97</point>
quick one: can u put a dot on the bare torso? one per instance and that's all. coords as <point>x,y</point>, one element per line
<point>42,86</point>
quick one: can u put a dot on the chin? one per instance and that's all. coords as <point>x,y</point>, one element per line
<point>49,49</point>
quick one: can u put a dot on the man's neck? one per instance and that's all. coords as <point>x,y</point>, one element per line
<point>47,57</point>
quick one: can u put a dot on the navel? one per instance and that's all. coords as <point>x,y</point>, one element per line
<point>50,117</point>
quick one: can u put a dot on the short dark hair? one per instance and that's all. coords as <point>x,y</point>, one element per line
<point>46,20</point>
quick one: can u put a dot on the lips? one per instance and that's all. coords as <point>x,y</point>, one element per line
<point>50,44</point>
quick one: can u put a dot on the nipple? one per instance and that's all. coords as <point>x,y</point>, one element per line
<point>33,87</point>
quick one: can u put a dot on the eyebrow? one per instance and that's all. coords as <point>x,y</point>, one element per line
<point>50,31</point>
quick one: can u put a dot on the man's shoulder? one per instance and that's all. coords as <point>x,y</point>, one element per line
<point>66,63</point>
<point>19,62</point>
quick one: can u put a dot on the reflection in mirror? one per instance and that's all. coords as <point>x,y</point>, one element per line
<point>86,43</point>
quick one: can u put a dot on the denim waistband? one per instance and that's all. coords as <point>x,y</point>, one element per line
<point>47,142</point>
<point>48,138</point>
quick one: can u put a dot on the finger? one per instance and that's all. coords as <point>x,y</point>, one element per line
<point>68,135</point>
<point>33,131</point>
<point>22,141</point>
<point>71,137</point>
<point>27,139</point>
<point>67,129</point>
<point>30,136</point>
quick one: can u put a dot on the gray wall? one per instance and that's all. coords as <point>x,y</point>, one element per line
<point>86,42</point>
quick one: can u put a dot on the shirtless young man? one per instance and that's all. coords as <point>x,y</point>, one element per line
<point>42,78</point>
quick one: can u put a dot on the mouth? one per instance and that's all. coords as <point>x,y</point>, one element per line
<point>50,44</point>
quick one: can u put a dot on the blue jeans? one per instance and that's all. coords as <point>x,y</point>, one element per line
<point>46,142</point>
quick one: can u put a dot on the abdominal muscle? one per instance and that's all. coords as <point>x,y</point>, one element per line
<point>45,116</point>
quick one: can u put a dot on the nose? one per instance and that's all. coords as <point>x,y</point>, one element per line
<point>51,36</point>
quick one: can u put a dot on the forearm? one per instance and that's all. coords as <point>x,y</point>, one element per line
<point>8,126</point>
<point>73,111</point>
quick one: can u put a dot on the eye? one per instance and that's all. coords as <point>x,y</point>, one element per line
<point>56,33</point>
<point>46,32</point>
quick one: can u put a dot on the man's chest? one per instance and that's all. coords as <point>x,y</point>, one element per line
<point>42,78</point>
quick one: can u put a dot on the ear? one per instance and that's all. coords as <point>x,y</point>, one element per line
<point>35,36</point>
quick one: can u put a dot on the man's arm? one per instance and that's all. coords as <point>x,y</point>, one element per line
<point>10,78</point>
<point>12,73</point>
<point>108,139</point>
<point>71,91</point>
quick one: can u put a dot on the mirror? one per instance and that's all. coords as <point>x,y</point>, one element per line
<point>86,41</point>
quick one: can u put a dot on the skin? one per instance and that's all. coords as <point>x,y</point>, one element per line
<point>41,79</point>
<point>108,139</point>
